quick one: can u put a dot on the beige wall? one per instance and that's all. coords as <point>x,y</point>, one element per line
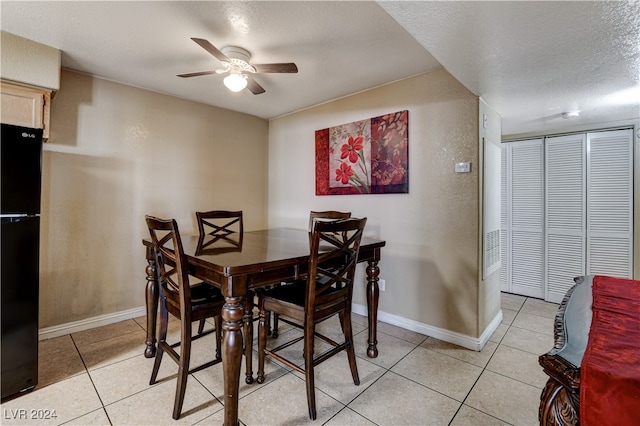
<point>430,263</point>
<point>117,153</point>
<point>28,62</point>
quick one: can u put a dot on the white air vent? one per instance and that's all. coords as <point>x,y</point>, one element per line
<point>491,252</point>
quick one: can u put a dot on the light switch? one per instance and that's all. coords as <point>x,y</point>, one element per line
<point>463,167</point>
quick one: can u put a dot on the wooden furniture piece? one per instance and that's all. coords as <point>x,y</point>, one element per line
<point>188,303</point>
<point>313,217</point>
<point>267,257</point>
<point>26,106</point>
<point>594,366</point>
<point>560,399</point>
<point>326,292</point>
<point>222,231</point>
<point>222,225</point>
<point>326,215</point>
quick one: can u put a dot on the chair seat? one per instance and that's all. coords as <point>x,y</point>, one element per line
<point>205,300</point>
<point>204,293</point>
<point>293,293</point>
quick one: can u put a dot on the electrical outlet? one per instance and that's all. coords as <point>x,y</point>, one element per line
<point>381,285</point>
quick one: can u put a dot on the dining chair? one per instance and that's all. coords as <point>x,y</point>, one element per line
<point>326,215</point>
<point>314,216</point>
<point>185,301</point>
<point>220,223</point>
<point>223,230</point>
<point>223,227</point>
<point>326,292</point>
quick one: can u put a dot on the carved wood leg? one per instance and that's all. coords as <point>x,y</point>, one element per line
<point>373,293</point>
<point>558,406</point>
<point>151,301</point>
<point>232,322</point>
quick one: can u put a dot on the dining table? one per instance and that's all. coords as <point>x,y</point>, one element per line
<point>239,264</point>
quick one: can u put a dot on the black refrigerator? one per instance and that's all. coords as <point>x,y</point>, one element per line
<point>20,163</point>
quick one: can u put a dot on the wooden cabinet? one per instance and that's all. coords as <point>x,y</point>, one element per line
<point>25,106</point>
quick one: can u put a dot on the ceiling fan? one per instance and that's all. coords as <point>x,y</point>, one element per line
<point>236,63</point>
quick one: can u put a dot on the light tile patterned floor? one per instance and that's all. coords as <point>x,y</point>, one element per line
<point>100,377</point>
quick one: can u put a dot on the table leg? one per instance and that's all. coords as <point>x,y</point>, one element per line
<point>232,321</point>
<point>373,293</point>
<point>151,298</point>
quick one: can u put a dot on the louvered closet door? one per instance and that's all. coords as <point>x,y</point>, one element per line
<point>609,203</point>
<point>527,218</point>
<point>565,158</point>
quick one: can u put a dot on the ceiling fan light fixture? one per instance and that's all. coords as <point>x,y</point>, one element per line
<point>235,82</point>
<point>236,62</point>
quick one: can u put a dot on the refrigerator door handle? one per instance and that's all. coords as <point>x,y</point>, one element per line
<point>17,217</point>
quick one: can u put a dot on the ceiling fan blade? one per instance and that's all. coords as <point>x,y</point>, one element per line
<point>253,86</point>
<point>211,49</point>
<point>288,67</point>
<point>195,74</point>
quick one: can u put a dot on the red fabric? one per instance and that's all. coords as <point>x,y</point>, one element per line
<point>610,370</point>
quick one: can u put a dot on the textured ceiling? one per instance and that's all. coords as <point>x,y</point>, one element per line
<point>530,61</point>
<point>339,47</point>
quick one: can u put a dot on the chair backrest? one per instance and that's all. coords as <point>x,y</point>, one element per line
<point>332,264</point>
<point>170,258</point>
<point>326,215</point>
<point>222,230</point>
<point>219,222</point>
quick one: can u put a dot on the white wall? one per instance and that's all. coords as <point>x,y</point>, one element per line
<point>430,263</point>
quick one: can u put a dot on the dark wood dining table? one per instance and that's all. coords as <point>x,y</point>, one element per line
<point>239,264</point>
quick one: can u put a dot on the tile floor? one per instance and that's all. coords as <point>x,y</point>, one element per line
<point>100,377</point>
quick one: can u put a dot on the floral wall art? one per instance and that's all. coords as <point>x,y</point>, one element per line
<point>364,157</point>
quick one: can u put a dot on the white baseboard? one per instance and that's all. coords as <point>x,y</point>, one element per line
<point>88,323</point>
<point>493,325</point>
<point>473,343</point>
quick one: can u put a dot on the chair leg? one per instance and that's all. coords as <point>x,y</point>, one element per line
<point>345,320</point>
<point>309,371</point>
<point>218,323</point>
<point>248,338</point>
<point>183,368</point>
<point>262,343</point>
<point>269,324</point>
<point>274,332</point>
<point>201,326</point>
<point>164,324</point>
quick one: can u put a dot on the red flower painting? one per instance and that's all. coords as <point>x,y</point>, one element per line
<point>369,156</point>
<point>351,148</point>
<point>344,173</point>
